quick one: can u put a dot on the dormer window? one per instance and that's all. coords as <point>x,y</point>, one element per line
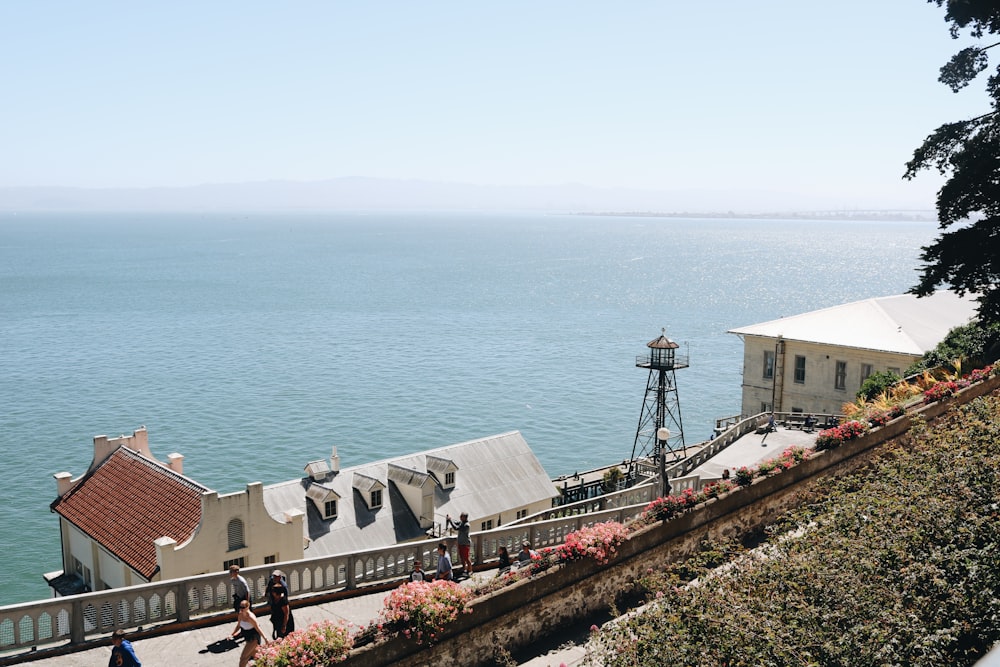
<point>324,499</point>
<point>443,470</point>
<point>370,489</point>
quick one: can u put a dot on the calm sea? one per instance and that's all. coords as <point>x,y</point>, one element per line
<point>252,344</point>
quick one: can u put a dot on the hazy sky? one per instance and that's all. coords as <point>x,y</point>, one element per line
<point>816,98</point>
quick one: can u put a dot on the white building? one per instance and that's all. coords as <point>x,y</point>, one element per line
<point>131,519</point>
<point>815,362</point>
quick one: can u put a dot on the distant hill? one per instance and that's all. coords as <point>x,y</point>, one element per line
<point>389,194</point>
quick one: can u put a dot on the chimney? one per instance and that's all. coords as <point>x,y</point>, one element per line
<point>176,462</point>
<point>335,460</point>
<point>64,482</point>
<point>103,448</point>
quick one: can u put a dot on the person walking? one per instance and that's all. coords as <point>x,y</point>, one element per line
<point>418,573</point>
<point>282,620</point>
<point>241,589</point>
<point>464,541</point>
<point>770,427</point>
<point>122,655</point>
<point>444,563</point>
<point>253,636</point>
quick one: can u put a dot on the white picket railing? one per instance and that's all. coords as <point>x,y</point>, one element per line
<point>77,618</point>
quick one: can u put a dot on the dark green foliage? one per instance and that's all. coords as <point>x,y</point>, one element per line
<point>973,345</point>
<point>966,259</point>
<point>898,564</point>
<point>611,479</point>
<point>876,384</point>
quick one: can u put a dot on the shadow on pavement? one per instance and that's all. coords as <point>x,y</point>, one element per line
<point>221,646</point>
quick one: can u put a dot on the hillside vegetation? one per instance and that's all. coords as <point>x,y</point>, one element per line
<point>897,564</point>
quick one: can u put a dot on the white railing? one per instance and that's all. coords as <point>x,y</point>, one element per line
<point>713,447</point>
<point>76,618</point>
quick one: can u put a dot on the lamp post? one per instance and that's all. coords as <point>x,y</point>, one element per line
<point>662,435</point>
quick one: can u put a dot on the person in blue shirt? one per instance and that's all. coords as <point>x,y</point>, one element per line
<point>122,655</point>
<point>444,563</point>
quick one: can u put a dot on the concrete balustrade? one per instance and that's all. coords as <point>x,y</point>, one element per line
<point>79,618</point>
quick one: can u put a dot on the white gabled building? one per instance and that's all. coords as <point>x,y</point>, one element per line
<point>131,519</point>
<point>815,362</point>
<point>494,480</point>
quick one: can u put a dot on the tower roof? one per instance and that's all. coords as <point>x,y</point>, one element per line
<point>662,343</point>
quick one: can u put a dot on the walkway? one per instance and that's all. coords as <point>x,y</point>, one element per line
<point>210,646</point>
<point>747,451</point>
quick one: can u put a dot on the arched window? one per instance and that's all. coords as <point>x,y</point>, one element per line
<point>235,533</point>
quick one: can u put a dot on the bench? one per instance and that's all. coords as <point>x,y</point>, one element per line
<point>800,423</point>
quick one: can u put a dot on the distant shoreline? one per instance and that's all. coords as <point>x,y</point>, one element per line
<point>892,216</point>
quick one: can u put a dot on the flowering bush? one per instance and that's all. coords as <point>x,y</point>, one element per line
<point>543,559</point>
<point>743,476</point>
<point>600,542</point>
<point>838,435</point>
<point>689,498</point>
<point>421,609</point>
<point>879,418</point>
<point>321,643</point>
<point>662,508</point>
<point>980,374</point>
<point>715,489</point>
<point>940,390</point>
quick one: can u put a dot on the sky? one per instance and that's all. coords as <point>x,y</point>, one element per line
<point>825,100</point>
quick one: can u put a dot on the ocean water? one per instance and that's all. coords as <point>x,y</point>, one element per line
<point>252,344</point>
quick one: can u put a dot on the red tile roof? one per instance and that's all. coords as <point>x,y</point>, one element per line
<point>127,502</point>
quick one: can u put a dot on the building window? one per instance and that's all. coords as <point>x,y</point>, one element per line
<point>800,369</point>
<point>840,379</point>
<point>768,365</point>
<point>487,525</point>
<point>330,509</point>
<point>239,562</point>
<point>235,533</point>
<point>376,498</point>
<point>270,559</point>
<point>894,371</point>
<point>449,479</point>
<point>522,513</point>
<point>866,371</point>
<point>765,407</point>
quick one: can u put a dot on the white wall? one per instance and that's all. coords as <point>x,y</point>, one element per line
<point>208,549</point>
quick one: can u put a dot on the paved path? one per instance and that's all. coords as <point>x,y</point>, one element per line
<point>748,451</point>
<point>209,646</point>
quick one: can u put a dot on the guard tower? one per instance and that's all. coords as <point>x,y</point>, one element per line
<point>661,432</point>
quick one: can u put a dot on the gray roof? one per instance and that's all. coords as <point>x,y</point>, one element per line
<point>438,465</point>
<point>495,474</point>
<point>365,483</point>
<point>902,324</point>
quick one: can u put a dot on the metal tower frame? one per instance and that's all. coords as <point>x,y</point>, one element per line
<point>661,407</point>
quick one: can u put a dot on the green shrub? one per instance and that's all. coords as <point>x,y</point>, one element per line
<point>877,384</point>
<point>895,564</point>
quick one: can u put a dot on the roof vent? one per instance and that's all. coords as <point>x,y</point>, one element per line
<point>318,470</point>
